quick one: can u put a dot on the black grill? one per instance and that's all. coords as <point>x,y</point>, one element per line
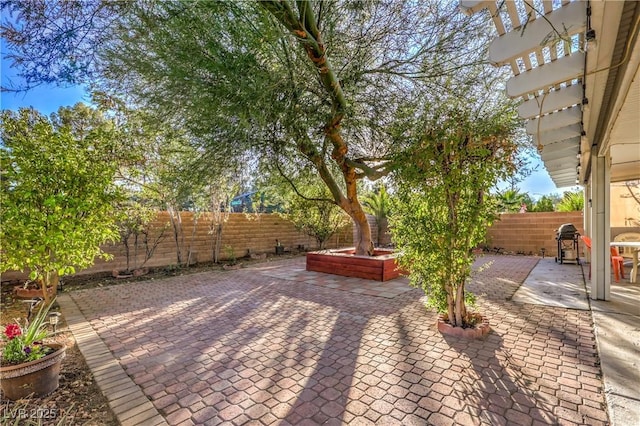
<point>566,232</point>
<point>567,236</point>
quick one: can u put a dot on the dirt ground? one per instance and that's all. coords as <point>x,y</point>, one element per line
<point>78,400</point>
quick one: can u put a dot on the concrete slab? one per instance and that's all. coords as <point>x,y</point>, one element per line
<point>618,337</point>
<point>617,329</point>
<point>552,284</point>
<point>625,298</point>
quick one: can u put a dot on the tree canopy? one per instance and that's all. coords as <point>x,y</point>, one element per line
<point>307,84</point>
<point>571,201</point>
<point>457,150</point>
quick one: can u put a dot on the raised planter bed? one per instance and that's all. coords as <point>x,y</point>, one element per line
<point>380,267</point>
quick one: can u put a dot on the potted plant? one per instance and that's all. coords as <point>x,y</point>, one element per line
<point>58,192</point>
<point>455,154</point>
<point>29,366</point>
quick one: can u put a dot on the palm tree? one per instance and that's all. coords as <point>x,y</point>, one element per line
<point>378,204</point>
<point>571,202</point>
<point>511,200</point>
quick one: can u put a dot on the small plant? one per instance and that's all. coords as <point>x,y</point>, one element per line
<point>134,223</point>
<point>172,269</point>
<point>231,255</point>
<point>24,343</point>
<point>317,219</point>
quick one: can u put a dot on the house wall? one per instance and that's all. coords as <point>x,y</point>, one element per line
<point>625,210</point>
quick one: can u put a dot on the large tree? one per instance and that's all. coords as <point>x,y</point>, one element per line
<point>164,167</point>
<point>308,83</point>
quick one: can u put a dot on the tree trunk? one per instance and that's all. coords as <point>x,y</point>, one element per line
<point>459,306</point>
<point>193,237</point>
<point>450,307</point>
<point>363,242</point>
<point>135,252</point>
<point>176,223</point>
<point>351,205</point>
<point>127,251</point>
<point>50,280</point>
<point>217,243</point>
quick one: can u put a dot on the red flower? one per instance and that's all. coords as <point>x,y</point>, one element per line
<point>12,331</point>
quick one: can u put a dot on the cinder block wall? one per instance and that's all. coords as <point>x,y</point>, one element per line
<point>254,232</point>
<point>529,232</point>
<point>517,232</point>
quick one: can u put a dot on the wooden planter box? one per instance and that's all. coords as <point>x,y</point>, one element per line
<point>380,267</point>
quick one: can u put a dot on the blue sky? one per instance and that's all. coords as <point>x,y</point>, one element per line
<point>539,183</point>
<point>44,98</point>
<point>48,99</point>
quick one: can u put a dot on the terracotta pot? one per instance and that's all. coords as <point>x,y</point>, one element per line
<point>135,273</point>
<point>30,292</point>
<point>39,377</point>
<point>232,267</point>
<point>479,331</point>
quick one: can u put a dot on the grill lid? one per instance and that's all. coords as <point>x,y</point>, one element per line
<point>567,229</point>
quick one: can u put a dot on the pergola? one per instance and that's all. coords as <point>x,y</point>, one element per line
<point>575,67</point>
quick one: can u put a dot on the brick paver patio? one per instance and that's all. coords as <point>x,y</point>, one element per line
<point>274,344</point>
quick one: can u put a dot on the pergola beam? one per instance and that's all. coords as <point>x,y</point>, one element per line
<point>563,145</point>
<point>568,132</point>
<point>556,120</point>
<point>552,101</point>
<point>538,33</point>
<point>543,77</point>
<point>551,156</point>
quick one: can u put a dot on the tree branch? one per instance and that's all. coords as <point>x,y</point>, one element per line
<point>295,189</point>
<point>306,32</point>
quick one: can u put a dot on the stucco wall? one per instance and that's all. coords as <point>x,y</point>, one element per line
<point>625,210</point>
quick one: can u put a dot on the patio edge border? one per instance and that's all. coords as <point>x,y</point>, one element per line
<point>109,375</point>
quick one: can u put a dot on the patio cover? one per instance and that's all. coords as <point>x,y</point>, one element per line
<point>575,66</point>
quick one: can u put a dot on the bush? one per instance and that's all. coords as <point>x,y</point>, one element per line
<point>57,192</point>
